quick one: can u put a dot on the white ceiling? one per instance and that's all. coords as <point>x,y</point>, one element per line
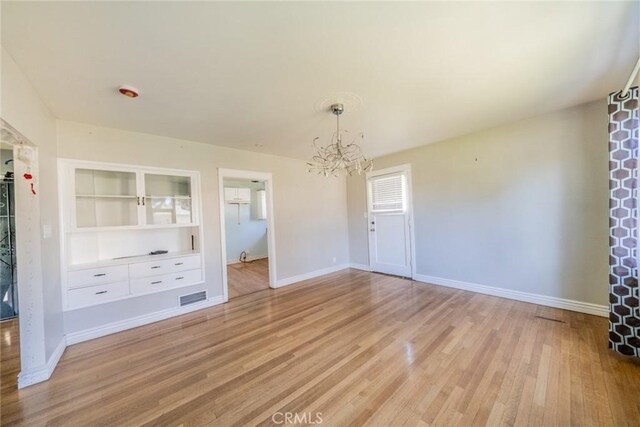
<point>241,74</point>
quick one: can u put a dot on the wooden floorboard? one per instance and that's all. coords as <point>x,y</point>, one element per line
<point>247,277</point>
<point>357,348</point>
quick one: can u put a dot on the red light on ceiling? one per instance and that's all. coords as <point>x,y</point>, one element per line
<point>128,91</point>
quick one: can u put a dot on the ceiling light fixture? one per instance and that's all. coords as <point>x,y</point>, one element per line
<point>336,157</point>
<point>128,91</point>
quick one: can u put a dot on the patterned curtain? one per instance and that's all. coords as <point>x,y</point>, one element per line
<point>624,295</point>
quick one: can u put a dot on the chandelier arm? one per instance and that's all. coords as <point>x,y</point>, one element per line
<point>335,157</point>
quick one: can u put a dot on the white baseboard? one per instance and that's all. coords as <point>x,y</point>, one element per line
<point>363,267</point>
<point>42,373</point>
<point>134,322</point>
<point>312,274</point>
<point>249,259</point>
<point>567,304</point>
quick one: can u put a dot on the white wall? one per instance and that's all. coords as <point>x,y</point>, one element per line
<point>309,211</point>
<point>521,207</point>
<point>243,230</point>
<point>40,305</point>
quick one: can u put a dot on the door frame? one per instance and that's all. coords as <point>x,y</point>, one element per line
<point>406,169</point>
<point>271,235</point>
<point>34,364</point>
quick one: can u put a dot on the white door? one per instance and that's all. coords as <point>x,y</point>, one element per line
<point>389,223</point>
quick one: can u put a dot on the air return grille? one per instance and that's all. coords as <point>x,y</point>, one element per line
<point>192,298</point>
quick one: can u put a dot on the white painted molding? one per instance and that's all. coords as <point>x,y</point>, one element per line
<point>363,267</point>
<point>310,275</point>
<point>271,235</point>
<point>249,259</point>
<point>145,319</point>
<point>43,372</point>
<point>567,304</point>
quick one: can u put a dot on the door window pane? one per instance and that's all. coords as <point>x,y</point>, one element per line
<point>387,193</point>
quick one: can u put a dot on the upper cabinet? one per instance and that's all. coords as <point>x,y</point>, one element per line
<point>168,199</point>
<point>237,195</point>
<point>103,196</point>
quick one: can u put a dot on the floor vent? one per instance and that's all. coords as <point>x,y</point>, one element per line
<point>192,298</point>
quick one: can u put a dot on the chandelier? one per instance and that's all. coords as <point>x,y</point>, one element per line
<point>336,157</point>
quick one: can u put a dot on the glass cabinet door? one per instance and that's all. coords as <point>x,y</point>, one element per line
<point>167,199</point>
<point>105,198</point>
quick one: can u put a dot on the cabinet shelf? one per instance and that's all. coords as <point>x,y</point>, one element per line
<point>104,196</point>
<point>169,197</point>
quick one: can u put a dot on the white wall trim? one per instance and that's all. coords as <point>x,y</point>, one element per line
<point>134,322</point>
<point>310,275</point>
<point>267,177</point>
<point>42,373</point>
<point>567,304</point>
<point>363,267</point>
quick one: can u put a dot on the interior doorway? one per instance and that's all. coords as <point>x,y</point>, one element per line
<point>246,220</point>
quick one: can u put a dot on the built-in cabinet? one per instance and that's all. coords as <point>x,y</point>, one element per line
<point>130,198</point>
<point>114,217</point>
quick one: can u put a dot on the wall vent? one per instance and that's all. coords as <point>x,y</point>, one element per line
<point>192,298</point>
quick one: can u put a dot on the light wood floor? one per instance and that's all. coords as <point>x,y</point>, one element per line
<point>248,277</point>
<point>359,348</point>
<point>9,358</point>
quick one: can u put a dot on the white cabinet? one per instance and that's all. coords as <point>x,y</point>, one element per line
<point>237,195</point>
<point>167,199</point>
<point>108,196</point>
<point>98,276</point>
<point>164,282</point>
<point>100,294</point>
<point>131,277</point>
<point>113,218</point>
<point>162,266</point>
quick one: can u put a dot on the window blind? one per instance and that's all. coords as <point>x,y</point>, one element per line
<point>387,193</point>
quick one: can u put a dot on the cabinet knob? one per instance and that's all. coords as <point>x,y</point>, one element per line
<point>155,283</point>
<point>101,292</point>
<point>99,274</point>
<point>155,266</point>
<point>179,278</point>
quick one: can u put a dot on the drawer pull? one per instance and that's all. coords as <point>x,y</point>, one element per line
<point>155,266</point>
<point>99,274</point>
<point>178,263</point>
<point>155,283</point>
<point>101,292</point>
<point>179,278</point>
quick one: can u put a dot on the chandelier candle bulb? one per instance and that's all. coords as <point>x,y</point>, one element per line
<point>336,157</point>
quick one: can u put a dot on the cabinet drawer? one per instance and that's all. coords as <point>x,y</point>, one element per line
<point>97,294</point>
<point>164,266</point>
<point>165,281</point>
<point>98,276</point>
